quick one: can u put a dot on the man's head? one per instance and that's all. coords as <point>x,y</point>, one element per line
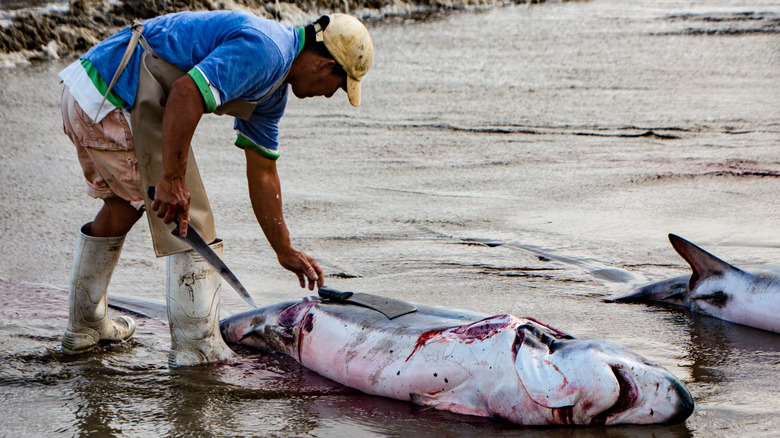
<point>337,53</point>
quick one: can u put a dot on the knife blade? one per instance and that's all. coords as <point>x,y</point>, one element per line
<point>201,247</point>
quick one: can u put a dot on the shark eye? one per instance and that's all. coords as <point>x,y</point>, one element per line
<point>717,299</point>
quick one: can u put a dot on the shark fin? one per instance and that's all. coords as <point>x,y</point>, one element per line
<point>445,403</point>
<point>422,399</point>
<point>702,263</point>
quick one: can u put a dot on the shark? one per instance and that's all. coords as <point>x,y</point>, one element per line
<point>504,367</point>
<point>716,288</point>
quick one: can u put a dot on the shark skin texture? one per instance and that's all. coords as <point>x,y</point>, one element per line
<point>507,368</point>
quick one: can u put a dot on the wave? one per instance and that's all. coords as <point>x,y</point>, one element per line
<point>57,30</point>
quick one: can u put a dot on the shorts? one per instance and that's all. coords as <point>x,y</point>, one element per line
<point>106,152</point>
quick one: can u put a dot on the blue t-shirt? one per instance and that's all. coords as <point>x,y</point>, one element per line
<point>230,54</point>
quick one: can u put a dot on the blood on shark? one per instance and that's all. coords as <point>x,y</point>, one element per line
<point>504,367</point>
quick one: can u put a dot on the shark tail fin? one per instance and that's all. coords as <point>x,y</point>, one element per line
<point>702,263</point>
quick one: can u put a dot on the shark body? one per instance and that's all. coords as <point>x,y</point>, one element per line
<point>501,366</point>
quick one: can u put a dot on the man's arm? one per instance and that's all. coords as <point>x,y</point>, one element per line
<point>265,193</point>
<point>183,111</point>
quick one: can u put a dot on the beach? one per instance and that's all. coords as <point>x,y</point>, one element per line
<point>523,159</point>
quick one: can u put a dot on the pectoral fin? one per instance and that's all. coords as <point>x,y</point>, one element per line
<point>442,403</point>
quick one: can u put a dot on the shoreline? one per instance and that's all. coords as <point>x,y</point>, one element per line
<point>61,33</point>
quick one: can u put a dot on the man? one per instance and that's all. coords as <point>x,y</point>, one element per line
<point>131,105</point>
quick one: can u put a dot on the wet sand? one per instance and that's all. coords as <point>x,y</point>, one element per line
<point>528,160</point>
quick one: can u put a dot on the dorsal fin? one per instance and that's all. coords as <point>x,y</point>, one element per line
<point>702,263</point>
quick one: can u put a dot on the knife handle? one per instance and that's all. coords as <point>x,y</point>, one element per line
<point>333,294</point>
<point>150,192</point>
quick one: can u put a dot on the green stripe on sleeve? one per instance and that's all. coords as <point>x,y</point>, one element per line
<point>102,85</point>
<point>205,91</point>
<point>301,39</point>
<point>245,143</point>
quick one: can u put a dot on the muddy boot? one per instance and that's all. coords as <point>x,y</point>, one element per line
<point>93,263</point>
<point>193,310</point>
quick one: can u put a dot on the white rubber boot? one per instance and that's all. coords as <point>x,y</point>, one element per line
<point>93,264</point>
<point>193,310</point>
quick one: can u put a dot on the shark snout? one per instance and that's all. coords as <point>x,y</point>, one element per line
<point>648,394</point>
<point>684,403</point>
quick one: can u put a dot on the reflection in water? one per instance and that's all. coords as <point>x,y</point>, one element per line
<point>102,395</point>
<point>733,371</point>
<point>392,418</point>
<point>99,401</point>
<point>718,349</point>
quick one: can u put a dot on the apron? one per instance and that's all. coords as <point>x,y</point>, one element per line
<point>155,79</point>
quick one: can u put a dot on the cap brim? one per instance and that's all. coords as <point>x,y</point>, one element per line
<point>353,91</point>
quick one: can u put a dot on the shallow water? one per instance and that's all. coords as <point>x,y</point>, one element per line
<point>528,160</point>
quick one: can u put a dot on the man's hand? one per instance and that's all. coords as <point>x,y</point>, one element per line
<point>303,266</point>
<point>172,199</point>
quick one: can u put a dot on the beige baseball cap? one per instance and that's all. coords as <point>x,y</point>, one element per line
<point>347,39</point>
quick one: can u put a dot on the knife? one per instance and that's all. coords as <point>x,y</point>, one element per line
<point>201,247</point>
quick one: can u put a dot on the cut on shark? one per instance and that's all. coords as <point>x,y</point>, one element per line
<point>503,367</point>
<point>718,289</point>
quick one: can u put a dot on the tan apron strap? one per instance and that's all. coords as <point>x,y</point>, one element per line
<point>145,44</point>
<point>244,109</point>
<point>276,85</point>
<point>137,30</point>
